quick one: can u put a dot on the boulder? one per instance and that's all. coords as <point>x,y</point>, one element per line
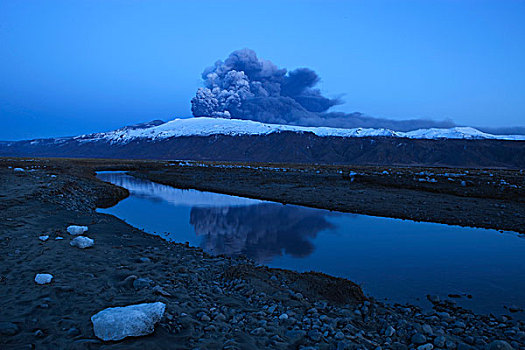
<point>82,242</point>
<point>43,278</point>
<point>116,323</point>
<point>76,230</point>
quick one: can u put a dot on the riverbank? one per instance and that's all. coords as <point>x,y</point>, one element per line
<point>485,198</point>
<point>211,302</point>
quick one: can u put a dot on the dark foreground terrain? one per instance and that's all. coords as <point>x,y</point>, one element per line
<point>211,302</point>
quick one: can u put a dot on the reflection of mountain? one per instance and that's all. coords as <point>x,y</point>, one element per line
<point>258,231</point>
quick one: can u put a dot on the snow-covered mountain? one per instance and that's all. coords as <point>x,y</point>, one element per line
<point>218,139</point>
<point>234,127</point>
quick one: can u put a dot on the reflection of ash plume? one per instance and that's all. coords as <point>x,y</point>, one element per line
<point>258,231</point>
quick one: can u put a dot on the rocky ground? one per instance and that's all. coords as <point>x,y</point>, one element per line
<point>211,302</point>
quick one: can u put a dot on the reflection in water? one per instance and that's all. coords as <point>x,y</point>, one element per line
<point>232,225</point>
<point>401,260</point>
<point>191,198</point>
<point>259,231</point>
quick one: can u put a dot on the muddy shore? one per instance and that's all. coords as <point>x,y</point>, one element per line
<point>211,302</point>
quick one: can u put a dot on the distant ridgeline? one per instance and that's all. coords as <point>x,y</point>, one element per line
<point>244,140</point>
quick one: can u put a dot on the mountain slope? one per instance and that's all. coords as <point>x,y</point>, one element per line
<point>218,126</point>
<point>236,140</point>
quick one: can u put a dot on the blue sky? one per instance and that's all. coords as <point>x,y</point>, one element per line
<point>72,67</point>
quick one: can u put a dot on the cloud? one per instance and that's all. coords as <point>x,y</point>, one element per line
<point>247,87</point>
<point>511,130</point>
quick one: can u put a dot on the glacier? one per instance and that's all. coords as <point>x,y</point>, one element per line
<point>206,126</point>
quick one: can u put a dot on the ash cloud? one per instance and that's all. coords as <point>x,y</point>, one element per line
<point>260,232</point>
<point>245,86</point>
<point>511,130</point>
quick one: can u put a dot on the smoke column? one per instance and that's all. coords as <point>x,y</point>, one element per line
<point>247,87</point>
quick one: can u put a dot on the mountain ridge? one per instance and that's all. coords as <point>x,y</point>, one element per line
<point>205,126</point>
<point>217,139</point>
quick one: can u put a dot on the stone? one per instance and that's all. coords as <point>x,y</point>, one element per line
<point>85,343</point>
<point>339,336</point>
<point>295,335</point>
<point>499,345</point>
<point>418,339</point>
<point>75,230</point>
<point>258,331</point>
<point>73,332</point>
<point>43,278</point>
<point>315,335</point>
<point>450,344</point>
<point>298,296</point>
<point>399,346</point>
<point>8,328</point>
<point>469,340</point>
<point>220,317</point>
<point>439,341</point>
<point>390,331</point>
<point>459,324</point>
<point>159,290</point>
<point>342,346</point>
<point>116,323</point>
<point>43,238</point>
<point>141,283</point>
<point>82,242</point>
<point>425,347</point>
<point>444,315</point>
<point>427,329</point>
<point>283,317</point>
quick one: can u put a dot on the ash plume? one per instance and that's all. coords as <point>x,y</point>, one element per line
<point>245,86</point>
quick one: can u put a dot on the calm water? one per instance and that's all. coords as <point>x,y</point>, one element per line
<point>390,258</point>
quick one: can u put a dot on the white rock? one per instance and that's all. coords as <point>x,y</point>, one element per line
<point>116,323</point>
<point>82,242</point>
<point>18,170</point>
<point>76,230</point>
<point>43,238</point>
<point>59,238</point>
<point>43,278</point>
